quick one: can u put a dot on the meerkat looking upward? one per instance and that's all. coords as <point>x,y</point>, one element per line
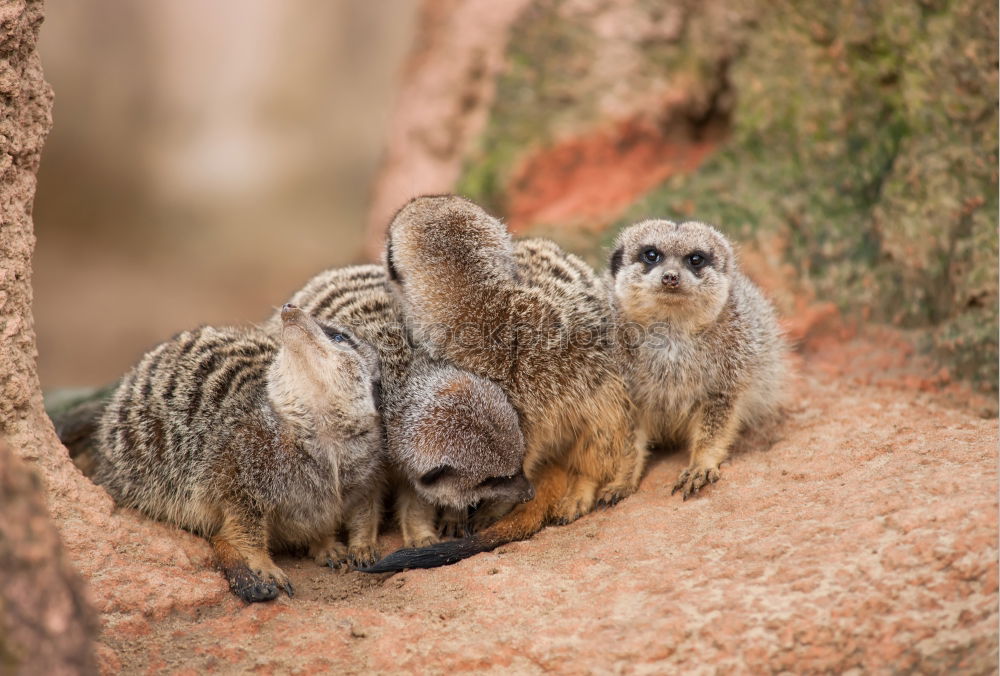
<point>537,321</point>
<point>710,358</point>
<point>454,438</point>
<point>255,443</point>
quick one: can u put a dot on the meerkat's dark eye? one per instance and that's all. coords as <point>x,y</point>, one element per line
<point>651,256</point>
<point>697,259</point>
<point>497,481</point>
<point>436,474</point>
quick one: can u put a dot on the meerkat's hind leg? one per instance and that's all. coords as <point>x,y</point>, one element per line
<point>579,499</point>
<point>605,463</point>
<point>627,450</point>
<point>714,433</point>
<point>362,531</point>
<point>241,551</point>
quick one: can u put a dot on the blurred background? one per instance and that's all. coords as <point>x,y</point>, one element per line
<point>205,160</point>
<point>208,158</point>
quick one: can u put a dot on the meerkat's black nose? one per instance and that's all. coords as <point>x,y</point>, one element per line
<point>671,280</point>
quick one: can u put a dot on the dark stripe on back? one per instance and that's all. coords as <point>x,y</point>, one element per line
<point>323,310</point>
<point>168,392</point>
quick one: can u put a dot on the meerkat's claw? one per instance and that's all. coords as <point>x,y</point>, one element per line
<point>332,554</point>
<point>362,556</point>
<point>693,479</point>
<point>252,588</point>
<point>287,588</point>
<point>258,592</point>
<point>606,502</point>
<point>611,496</point>
<point>568,511</point>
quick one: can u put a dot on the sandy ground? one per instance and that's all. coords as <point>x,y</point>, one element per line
<point>864,537</point>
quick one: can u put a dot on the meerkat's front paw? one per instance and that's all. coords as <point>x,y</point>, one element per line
<point>362,556</point>
<point>421,541</point>
<point>694,479</point>
<point>579,500</point>
<point>331,553</point>
<point>250,587</point>
<point>454,523</point>
<point>613,493</point>
<point>269,572</point>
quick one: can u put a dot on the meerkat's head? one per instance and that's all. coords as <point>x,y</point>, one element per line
<point>670,272</point>
<point>446,237</point>
<point>463,441</point>
<point>322,376</point>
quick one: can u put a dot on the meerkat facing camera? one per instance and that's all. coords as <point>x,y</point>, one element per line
<point>709,358</point>
<point>255,443</point>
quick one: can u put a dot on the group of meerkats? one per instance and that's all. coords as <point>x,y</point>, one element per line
<point>491,386</point>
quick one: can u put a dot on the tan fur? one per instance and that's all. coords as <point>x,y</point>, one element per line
<point>453,437</point>
<point>258,443</point>
<point>537,321</point>
<point>706,355</point>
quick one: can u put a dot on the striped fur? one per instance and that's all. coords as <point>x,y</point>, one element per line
<point>539,322</point>
<point>453,437</point>
<point>216,432</point>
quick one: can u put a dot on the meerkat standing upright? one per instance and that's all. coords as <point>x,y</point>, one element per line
<point>255,443</point>
<point>453,436</point>
<point>537,321</point>
<point>710,358</point>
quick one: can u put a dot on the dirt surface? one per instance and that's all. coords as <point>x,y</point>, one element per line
<point>864,537</point>
<point>572,184</point>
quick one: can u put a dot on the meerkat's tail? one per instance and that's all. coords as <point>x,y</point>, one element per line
<point>76,414</point>
<point>520,524</point>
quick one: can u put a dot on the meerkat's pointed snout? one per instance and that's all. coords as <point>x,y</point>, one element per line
<point>292,314</point>
<point>671,279</point>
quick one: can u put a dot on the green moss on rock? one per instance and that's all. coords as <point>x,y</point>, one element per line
<point>866,133</point>
<point>863,134</point>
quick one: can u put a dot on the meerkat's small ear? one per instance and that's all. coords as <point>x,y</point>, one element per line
<point>729,252</point>
<point>616,260</point>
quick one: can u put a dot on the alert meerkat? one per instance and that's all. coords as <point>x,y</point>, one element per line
<point>454,438</point>
<point>709,357</point>
<point>259,444</point>
<point>537,321</point>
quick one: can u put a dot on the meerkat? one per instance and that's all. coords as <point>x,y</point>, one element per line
<point>454,438</point>
<point>539,322</point>
<point>708,357</point>
<point>256,443</point>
